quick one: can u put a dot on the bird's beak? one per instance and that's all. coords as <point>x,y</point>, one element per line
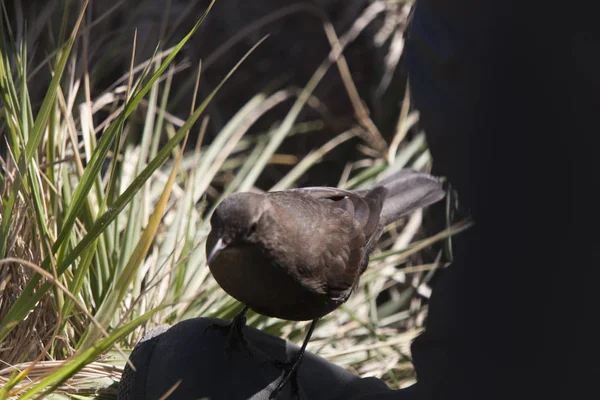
<point>220,245</point>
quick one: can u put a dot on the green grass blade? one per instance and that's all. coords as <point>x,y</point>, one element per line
<point>111,302</point>
<point>35,136</point>
<point>30,296</point>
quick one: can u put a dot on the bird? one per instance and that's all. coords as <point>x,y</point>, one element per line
<point>298,254</point>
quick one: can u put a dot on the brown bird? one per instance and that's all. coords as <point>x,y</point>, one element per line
<point>298,254</point>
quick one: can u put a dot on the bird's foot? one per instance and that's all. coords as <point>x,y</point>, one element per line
<point>290,368</point>
<point>234,332</point>
<point>282,365</point>
<point>289,373</point>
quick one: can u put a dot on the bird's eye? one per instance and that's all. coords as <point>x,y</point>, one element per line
<point>253,228</point>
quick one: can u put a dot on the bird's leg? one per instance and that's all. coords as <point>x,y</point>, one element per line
<point>234,331</point>
<point>290,369</point>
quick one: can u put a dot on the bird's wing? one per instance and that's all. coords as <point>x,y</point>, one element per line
<point>364,210</point>
<point>364,207</point>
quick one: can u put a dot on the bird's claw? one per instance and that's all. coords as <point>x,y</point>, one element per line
<point>283,365</point>
<point>289,373</point>
<point>221,328</point>
<point>235,334</point>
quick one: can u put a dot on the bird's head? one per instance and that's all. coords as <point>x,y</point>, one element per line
<point>238,220</point>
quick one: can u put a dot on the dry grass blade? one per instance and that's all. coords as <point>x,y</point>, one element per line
<point>372,136</point>
<point>92,378</point>
<point>96,186</point>
<point>312,158</point>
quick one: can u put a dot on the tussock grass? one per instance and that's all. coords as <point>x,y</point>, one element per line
<point>102,237</point>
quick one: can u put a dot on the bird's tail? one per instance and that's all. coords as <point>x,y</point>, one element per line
<point>409,190</point>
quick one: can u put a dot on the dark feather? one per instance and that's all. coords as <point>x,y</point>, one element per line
<point>311,245</point>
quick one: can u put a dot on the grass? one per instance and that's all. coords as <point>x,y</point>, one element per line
<point>102,236</point>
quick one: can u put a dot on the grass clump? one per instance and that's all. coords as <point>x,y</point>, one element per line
<point>102,236</point>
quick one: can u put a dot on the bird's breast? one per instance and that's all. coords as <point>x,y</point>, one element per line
<point>250,275</point>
